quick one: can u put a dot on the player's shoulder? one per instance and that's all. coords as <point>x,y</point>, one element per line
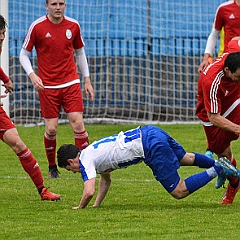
<point>226,4</point>
<point>38,21</point>
<point>216,67</point>
<point>72,20</point>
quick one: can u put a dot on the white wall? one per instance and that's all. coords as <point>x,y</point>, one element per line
<point>4,60</point>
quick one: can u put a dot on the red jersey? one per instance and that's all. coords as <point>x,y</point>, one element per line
<point>55,44</point>
<point>3,76</point>
<point>216,93</point>
<point>5,121</point>
<point>228,17</point>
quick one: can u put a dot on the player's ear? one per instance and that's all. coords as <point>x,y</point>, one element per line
<point>70,161</point>
<point>226,70</point>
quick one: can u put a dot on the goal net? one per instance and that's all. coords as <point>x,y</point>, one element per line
<point>143,57</point>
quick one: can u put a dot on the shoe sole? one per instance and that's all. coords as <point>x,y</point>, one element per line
<point>220,185</point>
<point>229,166</point>
<point>49,200</point>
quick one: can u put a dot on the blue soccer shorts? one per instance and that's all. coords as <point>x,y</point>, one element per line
<point>162,155</point>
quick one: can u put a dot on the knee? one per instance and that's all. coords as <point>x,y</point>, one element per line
<point>18,146</point>
<point>76,122</point>
<point>13,140</point>
<point>178,195</point>
<point>180,191</point>
<point>51,130</point>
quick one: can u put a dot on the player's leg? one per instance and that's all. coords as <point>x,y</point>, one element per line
<point>50,144</point>
<point>50,102</point>
<point>164,155</point>
<point>219,142</point>
<point>28,162</point>
<point>73,106</point>
<point>182,188</point>
<point>196,181</point>
<point>190,159</point>
<point>80,134</point>
<point>223,149</point>
<point>209,153</point>
<point>197,159</point>
<point>234,185</point>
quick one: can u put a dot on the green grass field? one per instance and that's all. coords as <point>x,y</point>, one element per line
<point>136,207</point>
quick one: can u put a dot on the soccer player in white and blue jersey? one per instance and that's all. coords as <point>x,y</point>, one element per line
<point>148,144</point>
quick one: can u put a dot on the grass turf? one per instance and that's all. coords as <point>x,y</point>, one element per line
<point>136,207</point>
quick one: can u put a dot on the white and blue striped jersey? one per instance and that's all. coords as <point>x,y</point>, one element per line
<point>110,153</point>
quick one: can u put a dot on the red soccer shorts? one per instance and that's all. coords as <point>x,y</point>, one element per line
<point>5,123</point>
<point>51,101</point>
<point>219,139</point>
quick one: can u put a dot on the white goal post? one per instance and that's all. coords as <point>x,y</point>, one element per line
<point>4,59</point>
<point>143,57</point>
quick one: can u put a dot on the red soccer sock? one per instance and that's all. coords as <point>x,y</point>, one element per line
<point>81,139</point>
<point>233,181</point>
<point>233,161</point>
<point>50,148</point>
<point>30,165</point>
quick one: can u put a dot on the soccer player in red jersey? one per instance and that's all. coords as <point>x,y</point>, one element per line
<point>56,38</point>
<point>9,135</point>
<point>227,17</point>
<point>219,107</point>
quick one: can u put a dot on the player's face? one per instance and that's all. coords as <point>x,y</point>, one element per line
<point>56,9</point>
<point>74,164</point>
<point>2,36</point>
<point>235,76</point>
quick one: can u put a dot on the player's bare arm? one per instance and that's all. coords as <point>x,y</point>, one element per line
<point>104,185</point>
<point>88,192</point>
<point>217,120</point>
<point>88,88</point>
<point>36,81</point>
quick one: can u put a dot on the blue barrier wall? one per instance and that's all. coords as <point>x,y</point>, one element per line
<point>141,52</point>
<point>105,22</point>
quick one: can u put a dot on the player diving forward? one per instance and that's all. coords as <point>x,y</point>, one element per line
<point>156,148</point>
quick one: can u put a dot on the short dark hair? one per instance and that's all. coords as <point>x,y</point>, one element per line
<point>3,22</point>
<point>47,1</point>
<point>65,152</point>
<point>232,62</point>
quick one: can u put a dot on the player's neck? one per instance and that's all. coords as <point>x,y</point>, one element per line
<point>55,20</point>
<point>238,2</point>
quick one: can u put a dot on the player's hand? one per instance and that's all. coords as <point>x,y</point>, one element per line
<point>207,59</point>
<point>75,208</point>
<point>88,88</point>
<point>202,66</point>
<point>36,81</point>
<point>8,86</point>
<point>3,96</point>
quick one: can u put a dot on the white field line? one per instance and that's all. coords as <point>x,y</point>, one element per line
<point>113,179</point>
